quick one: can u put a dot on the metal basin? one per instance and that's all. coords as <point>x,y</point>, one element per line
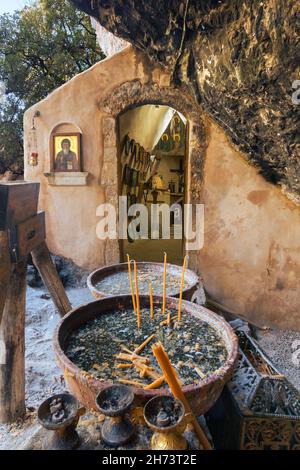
<point>201,395</point>
<point>99,274</point>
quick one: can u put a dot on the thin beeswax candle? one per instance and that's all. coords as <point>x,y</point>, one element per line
<point>164,284</point>
<point>151,301</point>
<point>181,289</point>
<point>130,283</point>
<point>138,311</point>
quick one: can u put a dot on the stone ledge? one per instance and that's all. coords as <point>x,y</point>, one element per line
<point>68,178</point>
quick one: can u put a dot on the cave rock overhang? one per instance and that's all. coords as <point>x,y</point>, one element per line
<point>239,59</point>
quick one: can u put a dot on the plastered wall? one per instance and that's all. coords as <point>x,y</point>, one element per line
<point>250,261</point>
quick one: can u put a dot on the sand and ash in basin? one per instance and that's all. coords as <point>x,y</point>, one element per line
<point>103,346</point>
<point>118,283</point>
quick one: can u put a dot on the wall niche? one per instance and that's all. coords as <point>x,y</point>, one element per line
<point>66,156</point>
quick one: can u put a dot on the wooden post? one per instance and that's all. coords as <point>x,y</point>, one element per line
<point>18,202</point>
<point>42,260</point>
<point>12,346</point>
<point>4,270</point>
<point>22,230</point>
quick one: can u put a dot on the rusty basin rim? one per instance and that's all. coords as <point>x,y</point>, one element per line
<point>105,271</point>
<point>74,319</point>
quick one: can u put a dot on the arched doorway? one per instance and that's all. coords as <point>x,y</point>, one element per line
<point>133,94</point>
<point>152,174</point>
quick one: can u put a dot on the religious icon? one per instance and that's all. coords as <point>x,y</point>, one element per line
<point>66,152</point>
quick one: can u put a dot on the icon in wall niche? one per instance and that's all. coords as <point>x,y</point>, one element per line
<point>66,152</point>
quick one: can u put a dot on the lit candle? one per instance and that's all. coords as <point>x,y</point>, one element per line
<point>151,301</point>
<point>164,284</point>
<point>181,289</point>
<point>138,311</point>
<point>130,282</point>
<point>171,379</point>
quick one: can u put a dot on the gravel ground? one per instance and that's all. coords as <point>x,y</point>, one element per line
<point>283,348</point>
<point>44,378</point>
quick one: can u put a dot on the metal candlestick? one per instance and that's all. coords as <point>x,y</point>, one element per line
<point>60,413</point>
<point>114,402</point>
<point>165,416</point>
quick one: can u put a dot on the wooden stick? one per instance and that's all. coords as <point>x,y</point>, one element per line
<point>138,311</point>
<point>131,382</point>
<point>146,370</point>
<point>167,369</point>
<point>128,357</point>
<point>181,289</point>
<point>142,372</point>
<point>126,350</point>
<point>42,260</point>
<point>141,346</point>
<point>200,373</point>
<point>157,383</point>
<point>151,301</point>
<point>164,322</point>
<point>130,282</point>
<point>164,283</point>
<point>124,365</point>
<point>134,356</point>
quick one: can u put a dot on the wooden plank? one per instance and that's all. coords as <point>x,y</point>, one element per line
<point>12,347</point>
<point>42,260</point>
<point>26,236</point>
<point>5,266</point>
<point>18,202</point>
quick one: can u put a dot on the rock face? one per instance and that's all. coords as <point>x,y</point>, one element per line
<point>239,58</point>
<point>70,274</point>
<point>109,43</point>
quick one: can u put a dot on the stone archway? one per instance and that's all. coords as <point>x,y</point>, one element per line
<point>132,94</point>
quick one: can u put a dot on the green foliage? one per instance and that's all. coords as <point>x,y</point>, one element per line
<point>41,47</point>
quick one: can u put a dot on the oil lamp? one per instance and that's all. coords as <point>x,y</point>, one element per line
<point>165,416</point>
<point>114,402</point>
<point>60,413</point>
<point>33,159</point>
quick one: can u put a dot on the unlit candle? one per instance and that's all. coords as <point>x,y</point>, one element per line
<point>131,284</point>
<point>164,284</point>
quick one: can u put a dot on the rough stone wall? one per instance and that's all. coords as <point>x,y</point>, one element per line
<point>239,58</point>
<point>109,43</point>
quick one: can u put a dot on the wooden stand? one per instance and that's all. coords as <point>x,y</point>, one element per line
<point>22,230</point>
<point>12,367</point>
<point>42,260</point>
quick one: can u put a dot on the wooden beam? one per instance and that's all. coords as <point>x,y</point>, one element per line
<point>43,262</point>
<point>4,269</point>
<point>25,236</point>
<point>18,202</point>
<point>12,346</point>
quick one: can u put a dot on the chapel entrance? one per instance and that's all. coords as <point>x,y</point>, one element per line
<point>152,171</point>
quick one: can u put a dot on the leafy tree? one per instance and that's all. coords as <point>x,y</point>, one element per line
<point>41,47</point>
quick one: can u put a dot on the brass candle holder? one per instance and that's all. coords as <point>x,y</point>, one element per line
<point>60,413</point>
<point>165,416</point>
<point>114,402</point>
